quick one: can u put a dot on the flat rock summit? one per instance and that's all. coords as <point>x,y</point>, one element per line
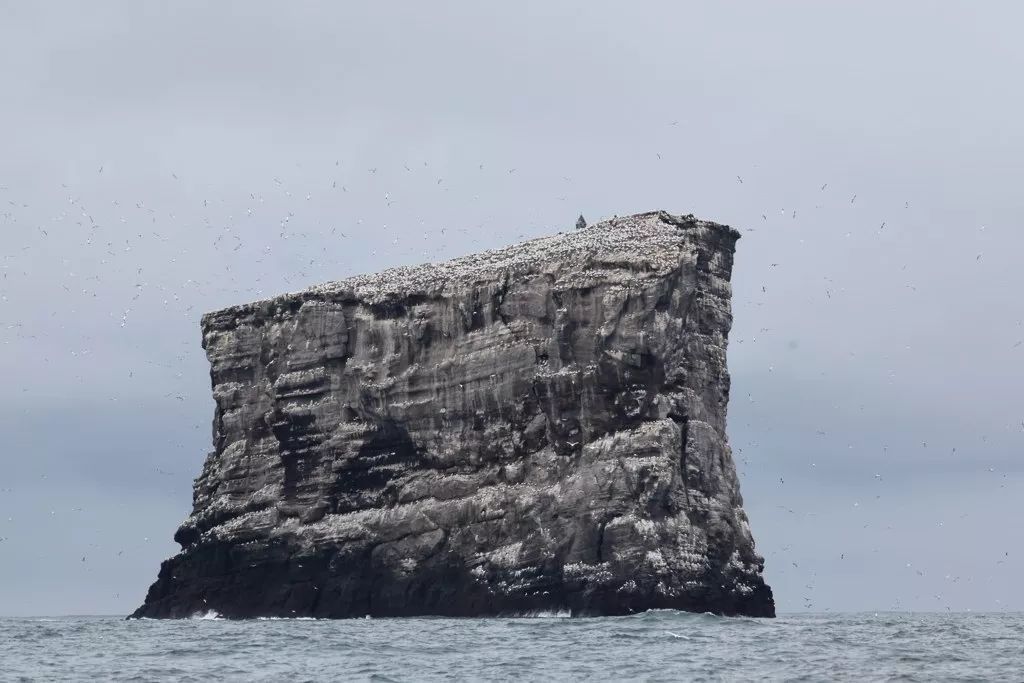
<point>530,429</point>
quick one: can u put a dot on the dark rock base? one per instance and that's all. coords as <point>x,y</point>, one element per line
<point>224,580</point>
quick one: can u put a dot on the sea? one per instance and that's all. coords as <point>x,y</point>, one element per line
<point>653,646</point>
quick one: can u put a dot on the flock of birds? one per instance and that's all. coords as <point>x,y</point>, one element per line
<point>147,273</point>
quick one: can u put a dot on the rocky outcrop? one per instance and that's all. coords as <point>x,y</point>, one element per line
<point>540,427</point>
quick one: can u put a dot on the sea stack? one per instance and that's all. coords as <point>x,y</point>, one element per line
<point>530,429</point>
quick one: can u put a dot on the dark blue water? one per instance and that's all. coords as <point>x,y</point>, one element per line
<point>656,646</point>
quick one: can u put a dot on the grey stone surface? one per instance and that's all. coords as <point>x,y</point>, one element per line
<point>534,428</point>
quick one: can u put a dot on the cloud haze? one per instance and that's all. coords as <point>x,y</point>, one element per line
<point>161,160</point>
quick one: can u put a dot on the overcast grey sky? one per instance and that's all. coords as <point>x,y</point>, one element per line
<point>159,160</point>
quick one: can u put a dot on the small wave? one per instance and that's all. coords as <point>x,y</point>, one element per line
<point>626,635</point>
<point>540,614</point>
<point>674,614</point>
<point>210,615</point>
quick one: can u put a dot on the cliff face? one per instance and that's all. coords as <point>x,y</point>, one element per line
<point>540,427</point>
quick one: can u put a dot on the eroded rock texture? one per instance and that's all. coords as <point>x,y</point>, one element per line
<point>540,427</point>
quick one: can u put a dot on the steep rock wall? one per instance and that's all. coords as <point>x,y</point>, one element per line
<point>540,427</point>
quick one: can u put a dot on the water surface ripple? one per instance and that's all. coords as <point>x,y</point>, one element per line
<point>655,646</point>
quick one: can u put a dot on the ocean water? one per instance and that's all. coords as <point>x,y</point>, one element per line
<point>655,646</point>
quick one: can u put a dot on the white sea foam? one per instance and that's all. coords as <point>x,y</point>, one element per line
<point>542,614</point>
<point>208,616</point>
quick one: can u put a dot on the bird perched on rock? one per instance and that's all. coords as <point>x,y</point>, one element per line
<point>581,222</point>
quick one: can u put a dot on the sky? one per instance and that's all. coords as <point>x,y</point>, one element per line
<point>161,160</point>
